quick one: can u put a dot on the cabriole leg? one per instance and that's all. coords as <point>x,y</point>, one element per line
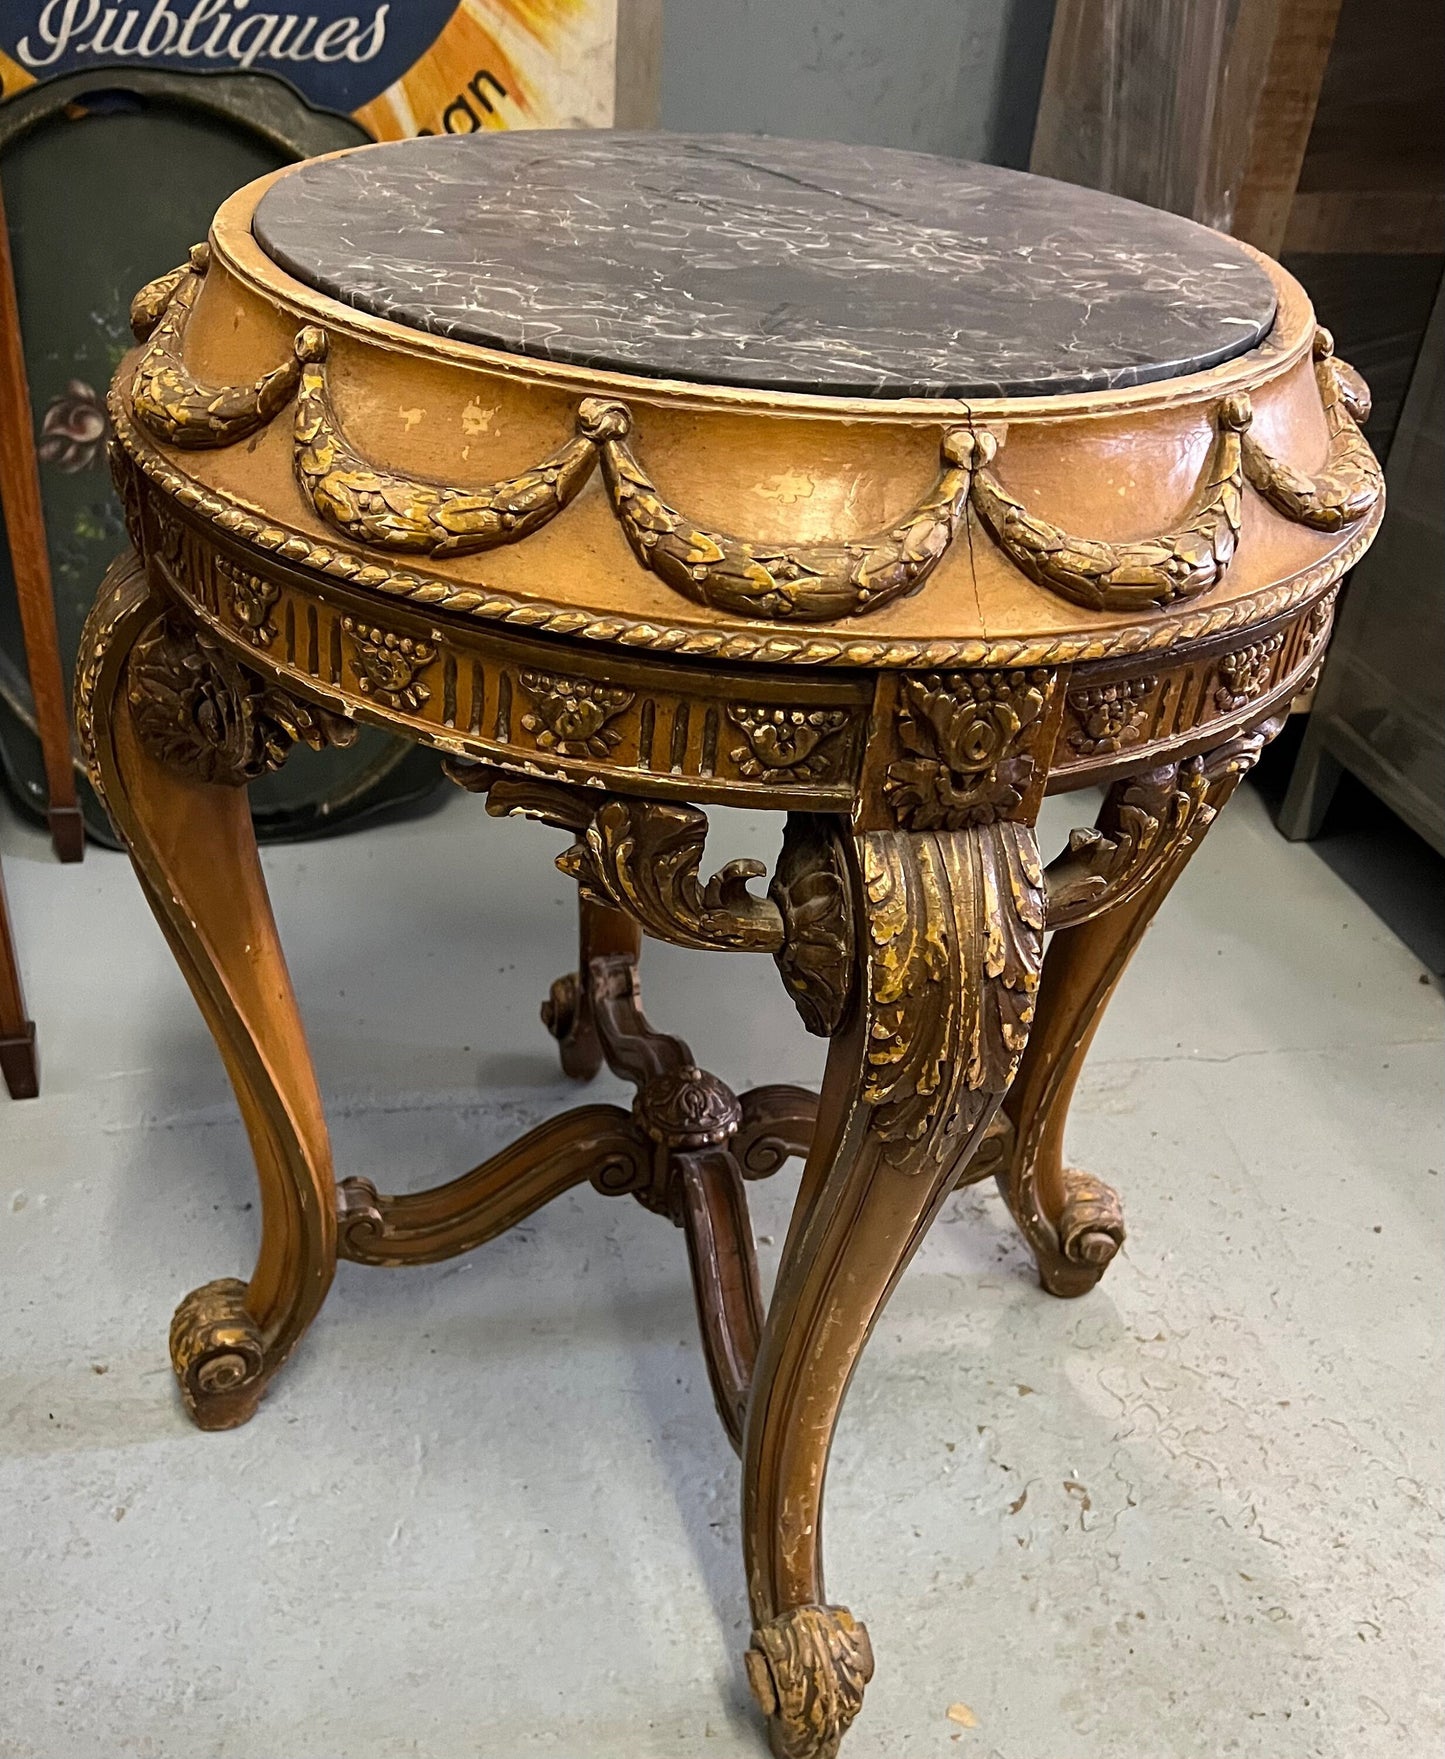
<point>948,941</point>
<point>172,729</point>
<point>1103,894</point>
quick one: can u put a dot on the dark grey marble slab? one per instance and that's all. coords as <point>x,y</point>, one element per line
<point>788,265</point>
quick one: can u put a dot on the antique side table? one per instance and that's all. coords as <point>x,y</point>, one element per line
<point>643,473</point>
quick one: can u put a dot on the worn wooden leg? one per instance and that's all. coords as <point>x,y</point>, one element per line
<point>1103,893</point>
<point>17,1033</point>
<point>568,1011</point>
<point>172,729</point>
<point>949,931</point>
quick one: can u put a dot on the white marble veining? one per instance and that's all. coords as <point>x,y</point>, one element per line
<point>791,265</point>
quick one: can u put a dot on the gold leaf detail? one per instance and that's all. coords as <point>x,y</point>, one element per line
<point>389,511</point>
<point>573,716</point>
<point>644,857</point>
<point>964,735</point>
<point>779,581</point>
<point>1351,482</point>
<point>1155,571</point>
<point>388,665</point>
<point>168,400</point>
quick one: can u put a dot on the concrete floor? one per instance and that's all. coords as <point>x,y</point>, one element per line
<point>488,1511</point>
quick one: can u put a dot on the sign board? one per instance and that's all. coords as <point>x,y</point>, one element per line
<point>399,67</point>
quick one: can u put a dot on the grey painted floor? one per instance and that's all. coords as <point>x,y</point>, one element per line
<point>488,1511</point>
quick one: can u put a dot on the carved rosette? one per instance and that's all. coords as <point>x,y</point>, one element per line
<point>786,744</point>
<point>573,716</point>
<point>950,1024</point>
<point>810,889</point>
<point>1246,674</point>
<point>644,857</point>
<point>807,1669</point>
<point>388,666</point>
<point>965,736</point>
<point>687,1109</point>
<point>252,601</point>
<point>201,713</point>
<point>218,1354</point>
<point>1110,717</point>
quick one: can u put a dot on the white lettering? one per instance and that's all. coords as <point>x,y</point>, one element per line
<point>101,44</point>
<point>376,34</point>
<point>279,51</point>
<point>214,29</point>
<point>243,52</point>
<point>213,48</point>
<point>160,14</point>
<point>57,25</point>
<point>200,13</point>
<point>340,30</point>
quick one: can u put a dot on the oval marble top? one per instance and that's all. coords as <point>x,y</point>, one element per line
<point>781,265</point>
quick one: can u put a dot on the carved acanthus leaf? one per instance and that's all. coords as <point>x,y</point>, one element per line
<point>950,1018</point>
<point>1145,823</point>
<point>387,510</point>
<point>1131,576</point>
<point>644,857</point>
<point>754,579</point>
<point>168,399</point>
<point>810,889</point>
<point>1351,482</point>
<point>200,712</point>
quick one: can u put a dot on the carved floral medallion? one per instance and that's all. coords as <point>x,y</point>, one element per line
<point>786,744</point>
<point>963,735</point>
<point>1109,717</point>
<point>572,716</point>
<point>204,715</point>
<point>252,600</point>
<point>388,666</point>
<point>1246,674</point>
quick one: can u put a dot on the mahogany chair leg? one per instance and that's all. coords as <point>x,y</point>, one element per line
<point>195,853</point>
<point>18,1064</point>
<point>1073,1220</point>
<point>950,932</point>
<point>30,558</point>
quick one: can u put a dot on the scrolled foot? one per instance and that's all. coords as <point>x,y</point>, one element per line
<point>1090,1230</point>
<point>360,1227</point>
<point>219,1355</point>
<point>807,1669</point>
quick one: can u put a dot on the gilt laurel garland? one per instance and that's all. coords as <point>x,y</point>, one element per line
<point>392,512</point>
<point>1351,482</point>
<point>811,582</point>
<point>387,510</point>
<point>168,399</point>
<point>771,647</point>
